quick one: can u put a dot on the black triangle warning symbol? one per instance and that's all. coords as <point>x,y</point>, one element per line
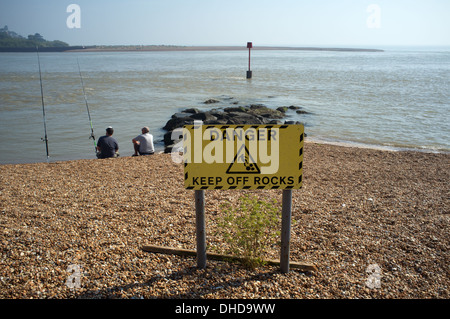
<point>243,163</point>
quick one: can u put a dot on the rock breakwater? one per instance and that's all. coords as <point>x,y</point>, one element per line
<point>250,114</point>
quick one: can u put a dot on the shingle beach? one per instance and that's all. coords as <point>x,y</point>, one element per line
<point>359,210</point>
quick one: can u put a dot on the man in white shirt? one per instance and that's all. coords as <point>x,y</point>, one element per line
<point>143,144</point>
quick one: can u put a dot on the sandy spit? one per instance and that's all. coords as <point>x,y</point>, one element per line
<point>361,213</point>
<point>144,48</point>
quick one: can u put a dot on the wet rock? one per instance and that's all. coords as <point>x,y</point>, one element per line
<point>211,101</point>
<point>220,115</point>
<point>245,118</point>
<point>192,111</point>
<point>171,138</point>
<point>236,109</point>
<point>204,116</point>
<point>275,122</point>
<point>180,115</point>
<point>216,122</point>
<point>178,122</point>
<point>267,112</point>
<point>252,114</point>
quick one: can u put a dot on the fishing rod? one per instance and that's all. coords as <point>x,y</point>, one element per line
<point>45,139</point>
<point>87,108</point>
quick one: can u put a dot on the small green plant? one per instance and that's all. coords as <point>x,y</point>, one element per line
<point>250,229</point>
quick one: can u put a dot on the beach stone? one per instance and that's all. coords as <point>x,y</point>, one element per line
<point>204,116</point>
<point>257,106</point>
<point>192,110</point>
<point>220,115</point>
<point>211,101</point>
<point>180,115</point>
<point>236,109</point>
<point>267,113</point>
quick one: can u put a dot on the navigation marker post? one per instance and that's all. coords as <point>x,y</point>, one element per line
<point>249,72</point>
<point>237,157</point>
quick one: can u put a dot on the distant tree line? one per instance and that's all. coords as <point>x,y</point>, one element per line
<point>10,39</point>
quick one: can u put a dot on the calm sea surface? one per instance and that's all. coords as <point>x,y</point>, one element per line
<point>397,99</point>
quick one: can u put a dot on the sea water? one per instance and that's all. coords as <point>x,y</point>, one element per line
<point>398,99</point>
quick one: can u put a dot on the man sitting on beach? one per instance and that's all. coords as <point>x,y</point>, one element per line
<point>143,144</point>
<point>107,145</point>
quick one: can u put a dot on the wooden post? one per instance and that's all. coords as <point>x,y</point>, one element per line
<point>302,266</point>
<point>200,226</point>
<point>285,230</point>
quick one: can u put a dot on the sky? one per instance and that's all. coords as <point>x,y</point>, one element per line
<point>360,23</point>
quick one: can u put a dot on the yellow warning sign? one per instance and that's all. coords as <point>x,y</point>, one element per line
<point>243,156</point>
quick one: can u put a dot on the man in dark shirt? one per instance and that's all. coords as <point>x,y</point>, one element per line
<point>107,145</point>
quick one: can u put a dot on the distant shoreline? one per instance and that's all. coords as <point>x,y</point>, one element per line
<point>209,48</point>
<point>41,49</point>
<point>162,48</point>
